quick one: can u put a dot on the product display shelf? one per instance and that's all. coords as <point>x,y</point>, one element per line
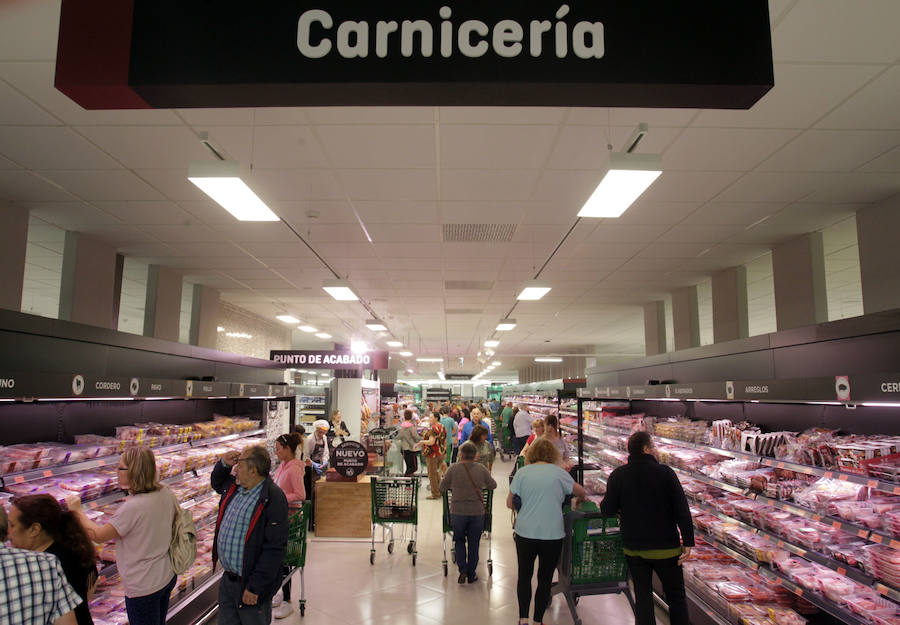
<point>192,595</point>
<point>818,600</point>
<point>812,556</point>
<point>64,469</point>
<point>885,487</point>
<point>702,605</point>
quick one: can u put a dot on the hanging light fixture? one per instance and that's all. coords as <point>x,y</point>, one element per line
<point>629,175</point>
<point>505,325</point>
<point>221,181</point>
<point>340,290</point>
<point>533,290</point>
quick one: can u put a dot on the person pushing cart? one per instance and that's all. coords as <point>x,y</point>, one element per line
<point>468,492</point>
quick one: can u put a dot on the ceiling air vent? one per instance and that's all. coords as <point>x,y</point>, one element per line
<point>478,233</point>
<point>464,311</point>
<point>468,285</point>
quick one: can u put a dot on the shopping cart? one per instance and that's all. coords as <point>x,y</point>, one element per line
<point>395,501</point>
<point>295,556</point>
<point>593,560</point>
<point>487,499</point>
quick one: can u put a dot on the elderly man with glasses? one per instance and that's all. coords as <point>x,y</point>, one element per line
<point>251,536</point>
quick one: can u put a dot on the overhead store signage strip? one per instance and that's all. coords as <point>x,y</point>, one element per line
<point>130,54</point>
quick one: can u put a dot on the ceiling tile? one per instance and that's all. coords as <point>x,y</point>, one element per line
<point>713,149</point>
<point>15,108</point>
<point>820,31</point>
<point>501,115</point>
<point>399,233</point>
<point>688,186</point>
<point>460,184</point>
<point>696,233</point>
<point>644,212</point>
<point>732,213</point>
<point>874,107</point>
<point>367,115</point>
<point>673,250</point>
<point>104,185</point>
<point>631,117</point>
<point>832,150</point>
<point>804,93</point>
<point>51,147</point>
<point>245,232</point>
<point>148,147</point>
<point>856,187</point>
<point>21,41</point>
<point>70,215</point>
<point>390,184</point>
<point>295,184</point>
<point>773,187</point>
<point>888,162</point>
<point>146,213</point>
<point>381,147</point>
<point>217,117</point>
<point>814,216</point>
<point>20,185</point>
<point>609,231</point>
<point>515,147</point>
<point>400,211</point>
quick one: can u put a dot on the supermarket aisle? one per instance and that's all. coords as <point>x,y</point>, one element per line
<point>342,588</point>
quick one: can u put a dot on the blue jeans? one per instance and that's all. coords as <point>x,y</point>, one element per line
<point>467,529</point>
<point>149,609</point>
<point>232,610</point>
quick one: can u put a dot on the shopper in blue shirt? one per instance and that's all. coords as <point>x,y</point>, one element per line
<point>452,428</point>
<point>541,488</point>
<point>477,419</point>
<point>251,536</point>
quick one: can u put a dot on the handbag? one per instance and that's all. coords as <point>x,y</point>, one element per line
<point>477,490</point>
<point>183,548</point>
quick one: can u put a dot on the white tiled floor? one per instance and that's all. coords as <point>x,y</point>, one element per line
<point>342,588</point>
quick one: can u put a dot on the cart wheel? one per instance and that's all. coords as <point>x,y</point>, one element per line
<point>490,568</point>
<point>391,547</point>
<point>577,621</point>
<point>409,547</point>
<point>414,559</point>
<point>302,609</point>
<point>372,558</point>
<point>445,569</point>
<point>575,598</point>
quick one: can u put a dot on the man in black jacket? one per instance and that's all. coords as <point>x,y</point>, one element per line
<point>251,536</point>
<point>652,505</point>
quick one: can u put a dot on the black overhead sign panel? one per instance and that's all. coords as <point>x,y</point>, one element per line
<point>199,53</point>
<point>330,359</point>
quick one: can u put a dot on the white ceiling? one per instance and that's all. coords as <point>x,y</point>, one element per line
<point>822,144</point>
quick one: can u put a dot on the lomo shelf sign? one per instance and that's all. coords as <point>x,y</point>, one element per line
<point>131,54</point>
<point>330,359</point>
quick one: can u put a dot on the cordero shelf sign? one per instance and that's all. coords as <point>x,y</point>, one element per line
<point>116,54</point>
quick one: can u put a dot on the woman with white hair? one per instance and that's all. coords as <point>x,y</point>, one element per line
<point>316,447</point>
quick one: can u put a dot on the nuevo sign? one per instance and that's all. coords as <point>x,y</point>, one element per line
<point>350,459</point>
<point>195,53</point>
<point>334,359</point>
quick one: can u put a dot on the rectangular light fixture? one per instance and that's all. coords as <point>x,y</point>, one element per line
<point>287,318</point>
<point>534,290</point>
<point>308,329</point>
<point>506,325</point>
<point>395,343</point>
<point>323,335</point>
<point>491,343</point>
<point>496,363</point>
<point>221,180</point>
<point>406,354</point>
<point>429,360</point>
<point>376,325</point>
<point>548,359</point>
<point>340,290</point>
<point>628,177</point>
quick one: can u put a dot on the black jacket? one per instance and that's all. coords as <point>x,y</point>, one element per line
<point>652,504</point>
<point>266,541</point>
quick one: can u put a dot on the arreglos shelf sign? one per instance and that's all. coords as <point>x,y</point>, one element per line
<point>131,54</point>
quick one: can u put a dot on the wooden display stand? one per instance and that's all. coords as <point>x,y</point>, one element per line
<point>344,509</point>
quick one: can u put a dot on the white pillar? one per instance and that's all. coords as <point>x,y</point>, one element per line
<point>162,308</point>
<point>799,271</point>
<point>729,295</point>
<point>13,243</point>
<point>879,255</point>
<point>88,287</point>
<point>686,317</point>
<point>655,328</point>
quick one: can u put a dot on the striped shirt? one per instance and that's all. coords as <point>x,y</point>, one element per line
<point>235,523</point>
<point>33,588</point>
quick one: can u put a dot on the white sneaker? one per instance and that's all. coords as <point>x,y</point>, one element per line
<point>278,598</point>
<point>283,611</point>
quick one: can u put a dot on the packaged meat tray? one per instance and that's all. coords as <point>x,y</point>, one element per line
<point>785,616</point>
<point>866,604</point>
<point>733,592</point>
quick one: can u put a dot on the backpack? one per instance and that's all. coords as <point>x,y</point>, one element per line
<point>510,427</point>
<point>183,548</point>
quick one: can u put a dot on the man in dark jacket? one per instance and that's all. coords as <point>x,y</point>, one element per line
<point>251,536</point>
<point>652,505</point>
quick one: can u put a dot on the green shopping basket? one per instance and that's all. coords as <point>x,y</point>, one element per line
<point>597,551</point>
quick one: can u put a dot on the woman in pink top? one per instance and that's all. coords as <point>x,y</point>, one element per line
<point>289,478</point>
<point>289,474</point>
